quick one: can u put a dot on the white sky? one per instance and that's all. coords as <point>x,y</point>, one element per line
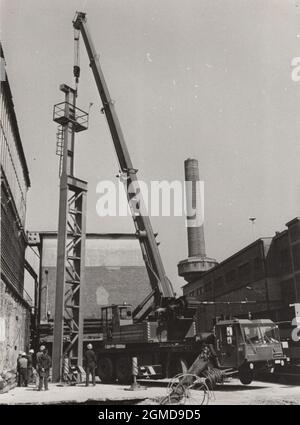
<point>196,78</point>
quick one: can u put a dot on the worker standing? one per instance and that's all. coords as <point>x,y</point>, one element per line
<point>43,369</point>
<point>90,362</point>
<point>30,365</point>
<point>40,352</point>
<point>23,370</point>
<point>18,369</point>
<point>38,355</point>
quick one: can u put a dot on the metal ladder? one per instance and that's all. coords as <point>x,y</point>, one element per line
<point>60,146</point>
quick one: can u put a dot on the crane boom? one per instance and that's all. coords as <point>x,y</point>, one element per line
<point>162,290</point>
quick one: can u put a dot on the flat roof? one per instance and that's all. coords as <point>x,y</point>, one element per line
<point>293,221</point>
<point>260,240</point>
<point>236,254</point>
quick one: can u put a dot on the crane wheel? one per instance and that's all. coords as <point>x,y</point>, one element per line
<point>123,370</point>
<point>245,376</point>
<point>106,370</point>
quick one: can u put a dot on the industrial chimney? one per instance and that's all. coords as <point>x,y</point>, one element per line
<point>197,262</point>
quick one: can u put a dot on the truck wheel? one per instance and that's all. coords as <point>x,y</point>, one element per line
<point>105,370</point>
<point>123,370</point>
<point>246,376</point>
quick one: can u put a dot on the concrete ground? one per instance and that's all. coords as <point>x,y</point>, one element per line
<point>256,393</point>
<point>229,393</point>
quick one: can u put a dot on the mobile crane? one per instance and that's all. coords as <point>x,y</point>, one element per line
<point>161,331</point>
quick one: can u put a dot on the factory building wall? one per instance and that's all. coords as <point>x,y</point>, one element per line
<point>13,162</point>
<point>14,308</point>
<point>243,268</point>
<point>115,273</point>
<point>12,243</point>
<point>266,272</point>
<point>14,328</point>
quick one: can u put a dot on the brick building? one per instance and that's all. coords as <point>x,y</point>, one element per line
<point>266,271</point>
<point>15,305</point>
<point>115,273</point>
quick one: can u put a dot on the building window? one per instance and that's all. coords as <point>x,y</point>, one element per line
<point>199,291</point>
<point>245,272</point>
<point>296,256</point>
<point>257,263</point>
<point>285,261</point>
<point>208,288</point>
<point>288,291</point>
<point>230,276</point>
<point>219,283</point>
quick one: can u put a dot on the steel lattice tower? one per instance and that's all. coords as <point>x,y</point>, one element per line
<point>70,269</point>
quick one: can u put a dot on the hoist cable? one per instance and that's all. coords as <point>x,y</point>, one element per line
<point>76,67</point>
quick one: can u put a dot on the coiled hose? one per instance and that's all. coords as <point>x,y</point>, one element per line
<point>213,376</point>
<point>179,392</point>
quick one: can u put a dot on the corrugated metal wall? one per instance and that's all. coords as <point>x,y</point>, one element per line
<point>12,165</point>
<point>14,311</point>
<point>14,328</point>
<point>12,245</point>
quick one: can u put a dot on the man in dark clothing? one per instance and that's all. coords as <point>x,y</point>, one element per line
<point>38,355</point>
<point>30,358</point>
<point>23,370</point>
<point>30,365</point>
<point>90,362</point>
<point>43,368</point>
<point>18,369</point>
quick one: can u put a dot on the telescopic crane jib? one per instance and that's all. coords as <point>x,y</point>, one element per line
<point>162,290</point>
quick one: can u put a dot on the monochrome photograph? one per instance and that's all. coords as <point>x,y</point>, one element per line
<point>150,206</point>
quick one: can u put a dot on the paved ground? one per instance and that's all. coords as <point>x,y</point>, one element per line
<point>229,393</point>
<point>256,393</point>
<point>78,394</point>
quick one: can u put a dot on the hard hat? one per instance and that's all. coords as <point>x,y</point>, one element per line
<point>31,351</point>
<point>23,354</point>
<point>89,346</point>
<point>42,347</point>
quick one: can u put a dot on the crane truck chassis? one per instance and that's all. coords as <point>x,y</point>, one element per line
<point>162,334</point>
<point>237,347</point>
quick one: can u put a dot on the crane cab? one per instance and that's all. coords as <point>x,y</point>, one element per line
<point>114,316</point>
